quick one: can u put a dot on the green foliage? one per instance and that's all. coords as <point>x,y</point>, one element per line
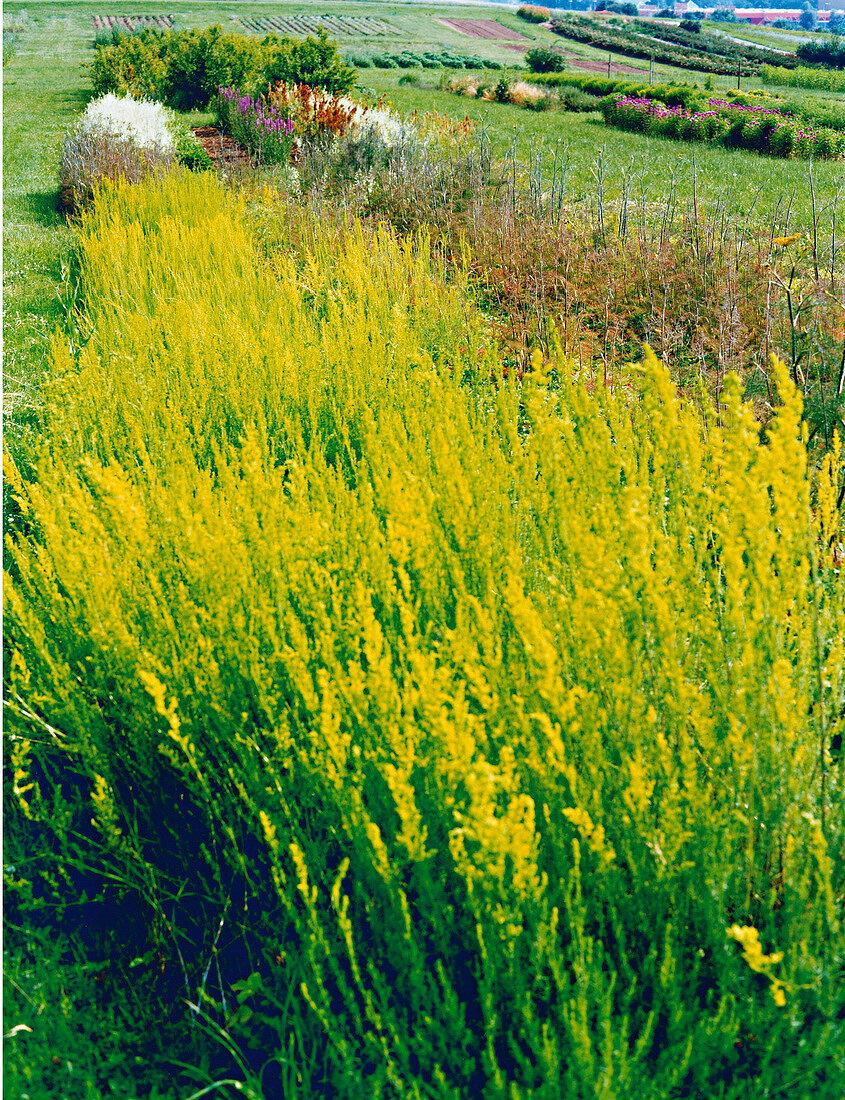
<point>313,60</point>
<point>189,152</point>
<point>542,60</point>
<point>617,8</point>
<point>77,1021</point>
<point>828,51</point>
<point>185,68</point>
<point>572,98</point>
<point>802,77</point>
<point>674,95</point>
<point>468,738</point>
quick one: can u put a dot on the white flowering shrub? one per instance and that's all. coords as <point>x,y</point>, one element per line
<point>118,136</point>
<point>141,121</point>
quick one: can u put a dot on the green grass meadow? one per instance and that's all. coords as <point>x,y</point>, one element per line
<point>414,690</point>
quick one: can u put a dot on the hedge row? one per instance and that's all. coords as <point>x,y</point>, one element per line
<point>675,95</point>
<point>184,69</point>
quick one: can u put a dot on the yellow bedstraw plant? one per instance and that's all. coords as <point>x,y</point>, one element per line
<point>477,710</point>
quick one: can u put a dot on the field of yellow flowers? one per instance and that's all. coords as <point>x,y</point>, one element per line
<point>430,732</point>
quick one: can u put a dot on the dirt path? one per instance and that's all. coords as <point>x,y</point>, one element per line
<point>226,154</point>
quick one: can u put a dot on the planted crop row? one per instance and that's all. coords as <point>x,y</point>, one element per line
<point>364,26</point>
<point>409,60</point>
<point>131,22</point>
<point>827,80</point>
<point>702,42</point>
<point>735,125</point>
<point>684,95</point>
<point>693,97</point>
<point>631,44</point>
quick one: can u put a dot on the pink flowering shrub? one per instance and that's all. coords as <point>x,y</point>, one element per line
<point>736,125</point>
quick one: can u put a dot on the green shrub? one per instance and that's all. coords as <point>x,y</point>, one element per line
<point>185,68</point>
<point>542,60</point>
<point>502,91</point>
<point>828,51</point>
<point>572,98</point>
<point>313,60</point>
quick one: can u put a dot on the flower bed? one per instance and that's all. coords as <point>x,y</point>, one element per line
<point>293,117</point>
<point>736,125</point>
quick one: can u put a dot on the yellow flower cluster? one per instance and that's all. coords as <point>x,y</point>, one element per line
<point>749,938</point>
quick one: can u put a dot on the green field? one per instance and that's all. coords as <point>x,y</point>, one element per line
<point>413,688</point>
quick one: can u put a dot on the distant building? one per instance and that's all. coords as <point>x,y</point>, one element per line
<point>769,15</point>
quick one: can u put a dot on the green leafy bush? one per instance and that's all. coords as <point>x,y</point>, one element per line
<point>313,60</point>
<point>689,96</point>
<point>572,98</point>
<point>185,68</point>
<point>542,60</point>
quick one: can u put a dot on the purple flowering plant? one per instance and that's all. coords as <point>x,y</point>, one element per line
<point>256,124</point>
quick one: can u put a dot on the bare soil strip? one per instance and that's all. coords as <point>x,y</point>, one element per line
<point>226,154</point>
<point>483,28</point>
